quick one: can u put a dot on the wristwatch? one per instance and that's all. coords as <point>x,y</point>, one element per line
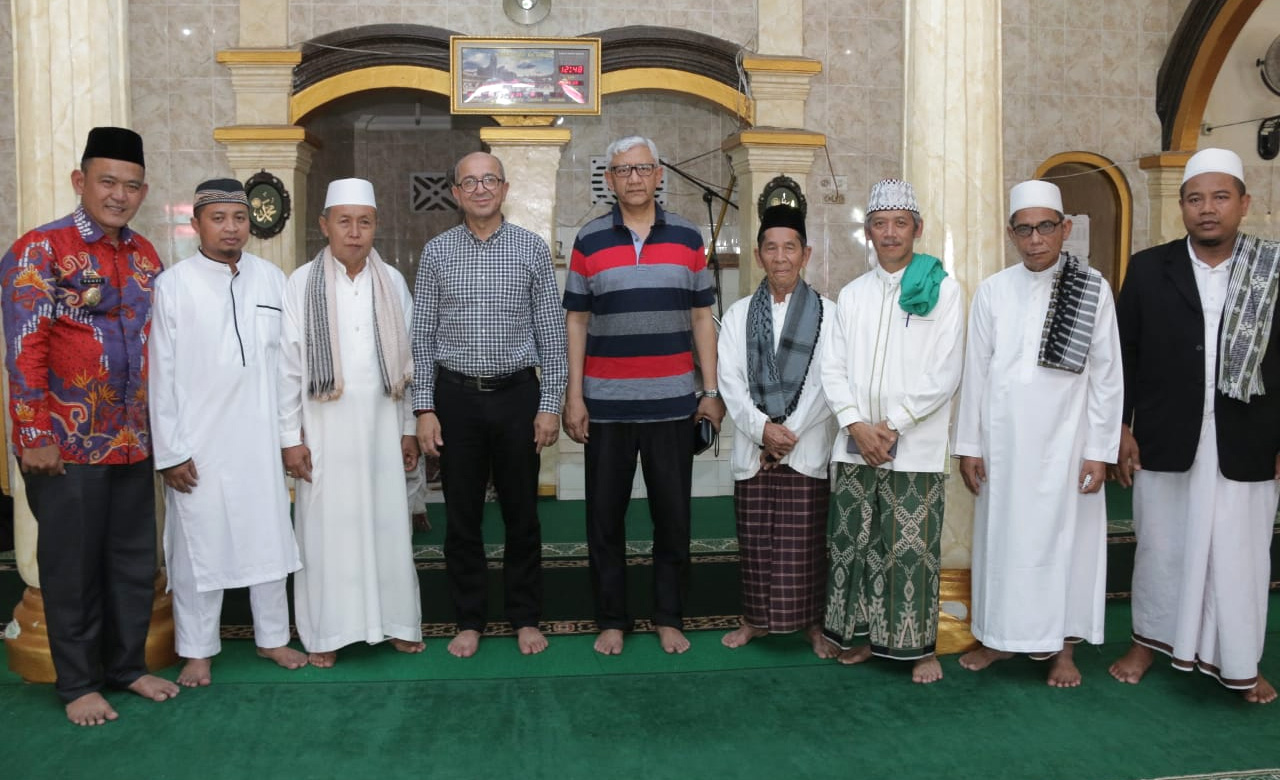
<point>711,393</point>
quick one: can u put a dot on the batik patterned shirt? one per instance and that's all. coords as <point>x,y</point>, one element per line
<point>77,313</point>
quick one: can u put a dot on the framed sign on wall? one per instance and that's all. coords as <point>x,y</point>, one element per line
<point>530,76</point>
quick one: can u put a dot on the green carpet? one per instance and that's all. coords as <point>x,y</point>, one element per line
<point>768,710</point>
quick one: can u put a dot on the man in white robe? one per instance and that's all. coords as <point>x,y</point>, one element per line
<point>1202,429</point>
<point>890,372</point>
<point>347,435</point>
<point>214,355</point>
<point>1040,407</point>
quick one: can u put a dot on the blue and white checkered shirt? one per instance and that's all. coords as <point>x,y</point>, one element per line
<point>488,308</point>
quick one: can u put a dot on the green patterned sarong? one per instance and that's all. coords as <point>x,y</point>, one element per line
<point>886,550</point>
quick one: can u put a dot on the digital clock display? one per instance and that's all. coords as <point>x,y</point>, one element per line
<point>573,70</point>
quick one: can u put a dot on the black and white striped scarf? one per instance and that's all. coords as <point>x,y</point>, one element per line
<point>1073,309</point>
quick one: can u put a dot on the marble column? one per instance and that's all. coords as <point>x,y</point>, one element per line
<point>1164,180</point>
<point>531,161</point>
<point>263,136</point>
<point>71,73</point>
<point>952,154</point>
<point>757,156</point>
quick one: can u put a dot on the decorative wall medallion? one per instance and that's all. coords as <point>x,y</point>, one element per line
<point>782,191</point>
<point>268,204</point>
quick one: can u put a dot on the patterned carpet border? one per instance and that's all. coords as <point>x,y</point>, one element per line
<point>1244,774</point>
<point>549,627</point>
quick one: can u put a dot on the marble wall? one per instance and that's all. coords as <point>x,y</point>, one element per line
<point>8,164</point>
<point>180,94</point>
<point>1078,75</point>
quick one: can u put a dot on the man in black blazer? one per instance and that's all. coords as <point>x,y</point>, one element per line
<point>1202,431</point>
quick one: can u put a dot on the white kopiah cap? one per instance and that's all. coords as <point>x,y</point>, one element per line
<point>892,195</point>
<point>1035,194</point>
<point>350,192</point>
<point>1214,161</point>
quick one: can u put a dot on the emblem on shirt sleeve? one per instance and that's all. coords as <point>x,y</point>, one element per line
<point>92,282</point>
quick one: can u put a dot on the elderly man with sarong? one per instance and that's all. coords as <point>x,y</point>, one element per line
<point>1202,429</point>
<point>214,353</point>
<point>347,434</point>
<point>769,378</point>
<point>890,371</point>
<point>1039,420</point>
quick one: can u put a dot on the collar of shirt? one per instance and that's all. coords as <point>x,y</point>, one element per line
<point>659,216</point>
<point>892,279</point>
<point>340,271</point>
<point>91,231</point>
<point>492,237</point>
<point>1199,265</point>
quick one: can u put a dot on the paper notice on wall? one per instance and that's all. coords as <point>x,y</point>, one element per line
<point>1078,243</point>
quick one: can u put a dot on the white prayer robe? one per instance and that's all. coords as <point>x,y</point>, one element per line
<point>1202,569</point>
<point>1039,545</point>
<point>214,367</point>
<point>359,582</point>
<point>881,364</point>
<point>811,421</point>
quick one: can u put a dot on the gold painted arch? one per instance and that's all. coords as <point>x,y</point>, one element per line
<point>1209,57</point>
<point>1096,163</point>
<point>436,81</point>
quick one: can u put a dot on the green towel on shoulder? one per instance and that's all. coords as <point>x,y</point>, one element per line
<point>920,284</point>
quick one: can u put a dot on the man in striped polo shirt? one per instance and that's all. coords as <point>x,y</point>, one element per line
<point>638,297</point>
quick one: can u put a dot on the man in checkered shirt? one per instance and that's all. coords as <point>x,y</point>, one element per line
<point>486,314</point>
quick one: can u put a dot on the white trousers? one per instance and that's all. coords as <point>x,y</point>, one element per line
<point>197,615</point>
<point>1203,566</point>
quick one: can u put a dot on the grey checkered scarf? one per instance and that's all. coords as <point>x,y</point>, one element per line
<point>775,379</point>
<point>1247,315</point>
<point>320,323</point>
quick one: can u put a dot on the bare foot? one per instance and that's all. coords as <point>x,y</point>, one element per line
<point>284,656</point>
<point>465,644</point>
<point>323,660</point>
<point>405,646</point>
<point>926,670</point>
<point>530,640</point>
<point>673,639</point>
<point>1062,669</point>
<point>609,642</point>
<point>977,660</point>
<point>741,635</point>
<point>148,686</point>
<point>90,710</point>
<point>854,655</point>
<point>822,647</point>
<point>1261,693</point>
<point>196,673</point>
<point>1133,664</point>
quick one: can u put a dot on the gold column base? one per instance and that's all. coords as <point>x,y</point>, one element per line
<point>955,599</point>
<point>27,638</point>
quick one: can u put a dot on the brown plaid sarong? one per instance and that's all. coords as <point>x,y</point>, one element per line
<point>782,519</point>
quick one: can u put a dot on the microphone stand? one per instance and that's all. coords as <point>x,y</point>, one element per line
<point>713,260</point>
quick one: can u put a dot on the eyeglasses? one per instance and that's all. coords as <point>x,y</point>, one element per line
<point>623,171</point>
<point>1043,228</point>
<point>489,181</point>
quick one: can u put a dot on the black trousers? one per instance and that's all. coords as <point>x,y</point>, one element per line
<point>491,433</point>
<point>97,556</point>
<point>666,457</point>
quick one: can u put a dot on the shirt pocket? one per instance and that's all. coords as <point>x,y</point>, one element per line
<point>267,320</point>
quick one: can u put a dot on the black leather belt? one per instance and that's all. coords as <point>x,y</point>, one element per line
<point>485,384</point>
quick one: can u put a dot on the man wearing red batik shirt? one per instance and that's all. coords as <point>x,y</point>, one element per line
<point>76,306</point>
